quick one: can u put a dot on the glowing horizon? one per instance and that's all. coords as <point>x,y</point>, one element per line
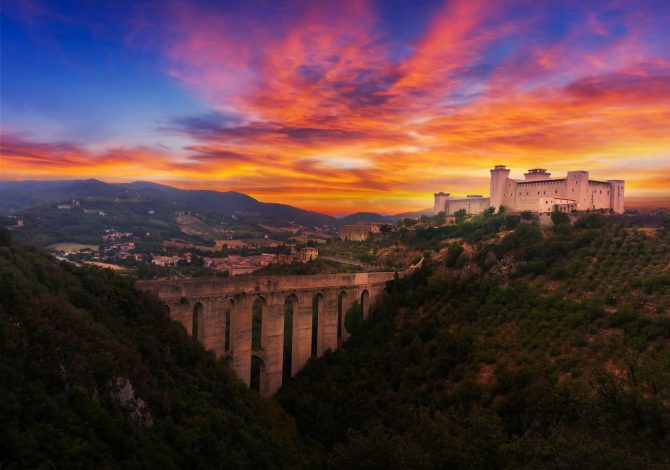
<point>337,106</point>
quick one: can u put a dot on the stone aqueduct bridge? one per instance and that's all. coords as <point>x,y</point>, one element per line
<point>268,327</point>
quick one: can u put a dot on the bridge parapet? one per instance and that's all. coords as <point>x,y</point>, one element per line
<point>210,287</point>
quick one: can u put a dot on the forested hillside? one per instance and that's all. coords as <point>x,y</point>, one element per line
<point>515,347</point>
<point>94,374</point>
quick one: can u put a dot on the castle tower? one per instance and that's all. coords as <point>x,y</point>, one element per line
<point>616,195</point>
<point>577,188</point>
<point>441,202</point>
<point>499,176</point>
<point>537,174</point>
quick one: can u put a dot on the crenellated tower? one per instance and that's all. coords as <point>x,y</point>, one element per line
<point>616,195</point>
<point>499,176</point>
<point>441,202</point>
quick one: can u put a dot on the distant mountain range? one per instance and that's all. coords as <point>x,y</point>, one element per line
<point>19,196</point>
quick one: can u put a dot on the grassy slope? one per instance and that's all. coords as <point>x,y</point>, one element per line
<point>70,337</point>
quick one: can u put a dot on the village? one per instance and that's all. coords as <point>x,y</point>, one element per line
<point>119,250</point>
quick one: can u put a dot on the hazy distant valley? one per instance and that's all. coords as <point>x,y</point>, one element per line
<point>124,225</point>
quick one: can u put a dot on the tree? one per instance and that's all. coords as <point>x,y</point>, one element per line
<point>5,237</point>
<point>527,215</point>
<point>460,215</point>
<point>454,253</point>
<point>559,218</point>
<point>353,319</point>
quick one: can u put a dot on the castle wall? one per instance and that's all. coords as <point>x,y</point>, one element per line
<point>471,205</point>
<point>599,193</point>
<point>527,195</point>
<point>535,192</point>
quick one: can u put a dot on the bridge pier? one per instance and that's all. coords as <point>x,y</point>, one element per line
<point>328,325</point>
<point>302,332</point>
<point>213,332</point>
<point>273,348</point>
<point>240,337</point>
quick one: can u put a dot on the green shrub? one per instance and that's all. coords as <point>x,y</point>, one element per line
<point>559,218</point>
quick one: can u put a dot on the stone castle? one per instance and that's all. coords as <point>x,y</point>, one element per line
<point>539,192</point>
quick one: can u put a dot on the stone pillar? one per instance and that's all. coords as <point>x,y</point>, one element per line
<point>214,326</point>
<point>272,341</point>
<point>302,332</point>
<point>240,337</point>
<point>328,322</point>
<point>183,313</point>
<point>173,307</point>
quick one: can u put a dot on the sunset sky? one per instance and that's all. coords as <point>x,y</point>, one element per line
<point>337,106</point>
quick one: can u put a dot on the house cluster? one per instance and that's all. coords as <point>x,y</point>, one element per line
<point>118,250</point>
<point>111,235</point>
<point>237,265</point>
<point>358,232</point>
<point>73,203</point>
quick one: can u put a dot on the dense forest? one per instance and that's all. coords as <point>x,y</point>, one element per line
<point>526,348</point>
<point>514,346</point>
<point>94,374</point>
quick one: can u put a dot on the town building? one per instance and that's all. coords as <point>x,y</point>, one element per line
<point>540,193</point>
<point>308,254</point>
<point>357,232</point>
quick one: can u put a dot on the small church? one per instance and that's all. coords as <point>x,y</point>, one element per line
<point>539,192</point>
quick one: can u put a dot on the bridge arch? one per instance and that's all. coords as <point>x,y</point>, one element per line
<point>227,326</point>
<point>258,311</point>
<point>342,301</point>
<point>197,321</point>
<point>318,304</point>
<point>365,303</point>
<point>250,328</point>
<point>291,309</point>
